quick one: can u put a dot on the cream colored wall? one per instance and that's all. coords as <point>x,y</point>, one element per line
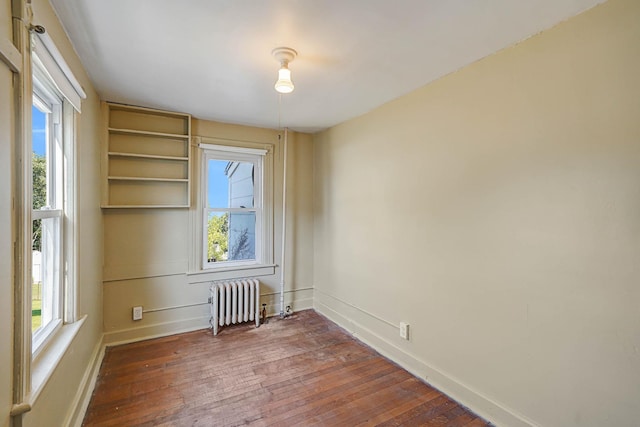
<point>6,248</point>
<point>146,250</point>
<point>497,212</point>
<point>55,404</point>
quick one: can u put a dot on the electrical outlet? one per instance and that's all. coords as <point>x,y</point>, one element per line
<point>404,330</point>
<point>137,313</point>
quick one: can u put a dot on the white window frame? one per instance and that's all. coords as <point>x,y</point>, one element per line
<point>49,100</point>
<point>49,71</point>
<point>214,153</point>
<point>261,154</point>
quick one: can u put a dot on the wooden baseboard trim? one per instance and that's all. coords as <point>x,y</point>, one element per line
<point>481,405</point>
<point>85,390</point>
<point>157,330</point>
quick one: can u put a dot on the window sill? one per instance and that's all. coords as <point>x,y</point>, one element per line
<point>231,272</point>
<point>48,358</point>
<point>42,337</point>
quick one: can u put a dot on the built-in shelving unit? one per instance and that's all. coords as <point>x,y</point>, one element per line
<point>146,162</point>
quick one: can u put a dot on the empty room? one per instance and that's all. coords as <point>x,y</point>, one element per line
<point>319,212</point>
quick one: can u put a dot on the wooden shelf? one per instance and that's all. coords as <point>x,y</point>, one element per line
<point>142,206</point>
<point>142,178</point>
<point>146,158</point>
<point>148,133</point>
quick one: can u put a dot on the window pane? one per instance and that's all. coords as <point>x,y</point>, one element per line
<point>42,237</point>
<point>217,236</point>
<point>47,193</point>
<point>39,157</point>
<point>36,275</point>
<point>46,235</point>
<point>231,236</point>
<point>45,271</point>
<point>242,236</point>
<point>229,184</point>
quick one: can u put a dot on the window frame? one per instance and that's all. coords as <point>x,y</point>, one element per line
<point>48,99</point>
<point>223,149</point>
<point>257,161</point>
<point>41,58</point>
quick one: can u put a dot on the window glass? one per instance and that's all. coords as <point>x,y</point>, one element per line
<point>230,184</point>
<point>217,236</point>
<point>47,213</point>
<point>39,157</point>
<point>242,236</point>
<point>39,200</point>
<point>232,213</point>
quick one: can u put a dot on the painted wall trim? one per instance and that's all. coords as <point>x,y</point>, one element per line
<point>87,385</point>
<point>144,271</point>
<point>163,329</point>
<point>391,324</point>
<point>10,55</point>
<point>156,330</point>
<point>481,405</point>
<point>259,152</point>
<point>288,291</point>
<point>225,273</point>
<point>119,273</point>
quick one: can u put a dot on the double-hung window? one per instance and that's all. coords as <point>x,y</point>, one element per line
<point>47,201</point>
<point>49,237</point>
<point>233,214</point>
<point>232,223</point>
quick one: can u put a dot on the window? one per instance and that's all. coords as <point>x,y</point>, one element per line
<point>47,201</point>
<point>51,196</point>
<point>45,197</point>
<point>232,222</point>
<point>233,214</point>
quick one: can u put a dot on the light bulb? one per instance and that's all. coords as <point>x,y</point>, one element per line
<point>284,83</point>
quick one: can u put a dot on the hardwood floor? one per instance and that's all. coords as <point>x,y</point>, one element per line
<point>303,370</point>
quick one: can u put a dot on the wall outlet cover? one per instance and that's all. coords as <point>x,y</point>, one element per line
<point>137,313</point>
<point>404,330</point>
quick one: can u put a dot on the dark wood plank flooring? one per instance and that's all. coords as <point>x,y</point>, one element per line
<point>303,370</point>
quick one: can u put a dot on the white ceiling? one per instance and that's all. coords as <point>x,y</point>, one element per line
<point>212,58</point>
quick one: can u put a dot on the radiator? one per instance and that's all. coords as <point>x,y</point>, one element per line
<point>235,301</point>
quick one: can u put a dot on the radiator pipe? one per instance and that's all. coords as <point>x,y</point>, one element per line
<point>284,223</point>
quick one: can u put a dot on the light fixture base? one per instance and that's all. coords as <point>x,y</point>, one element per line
<point>284,54</point>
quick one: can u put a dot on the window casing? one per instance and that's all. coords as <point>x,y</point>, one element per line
<point>232,220</point>
<point>47,97</point>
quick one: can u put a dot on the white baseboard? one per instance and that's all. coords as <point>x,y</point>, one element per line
<point>475,401</point>
<point>85,390</point>
<point>156,330</point>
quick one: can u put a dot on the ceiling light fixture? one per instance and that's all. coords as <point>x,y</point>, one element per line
<point>284,55</point>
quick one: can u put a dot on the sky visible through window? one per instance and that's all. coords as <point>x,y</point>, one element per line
<point>218,184</point>
<point>38,130</point>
